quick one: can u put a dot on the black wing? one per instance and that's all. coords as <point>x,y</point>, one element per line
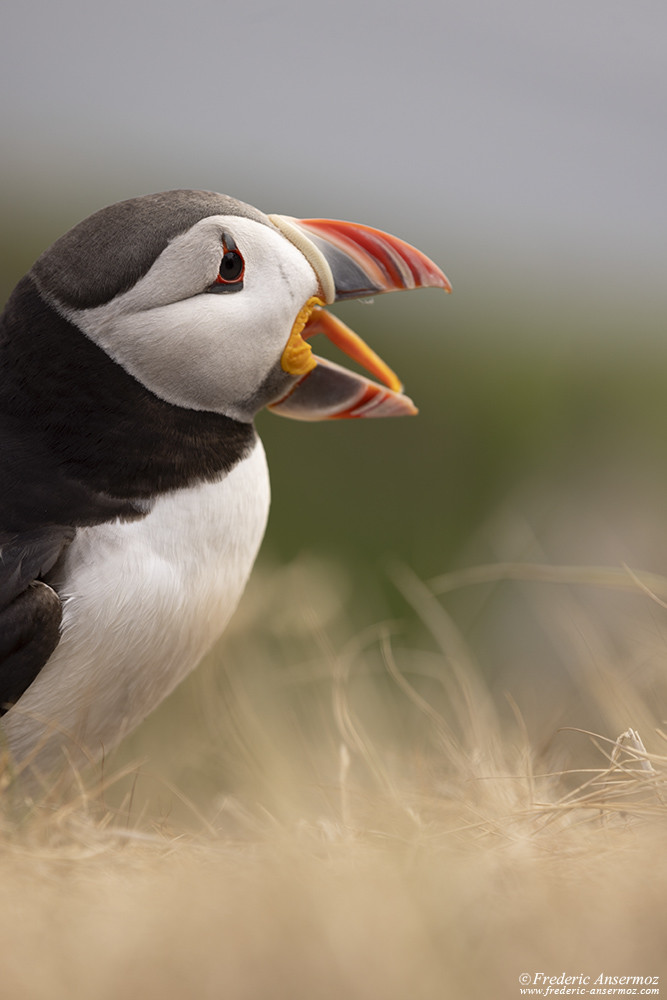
<point>30,610</point>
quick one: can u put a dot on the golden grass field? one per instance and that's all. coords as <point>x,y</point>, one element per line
<point>322,812</point>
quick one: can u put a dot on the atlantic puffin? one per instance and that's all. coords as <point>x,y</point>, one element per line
<point>134,494</point>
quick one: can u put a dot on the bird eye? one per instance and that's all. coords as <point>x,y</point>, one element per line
<point>231,271</point>
<point>232,267</point>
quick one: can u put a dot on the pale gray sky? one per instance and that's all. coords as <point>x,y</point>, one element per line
<point>525,138</point>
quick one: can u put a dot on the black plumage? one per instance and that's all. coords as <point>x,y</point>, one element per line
<point>107,253</point>
<point>82,441</point>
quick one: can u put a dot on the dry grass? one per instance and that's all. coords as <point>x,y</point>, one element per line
<point>360,816</point>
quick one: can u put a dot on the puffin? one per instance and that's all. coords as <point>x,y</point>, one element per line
<point>134,491</point>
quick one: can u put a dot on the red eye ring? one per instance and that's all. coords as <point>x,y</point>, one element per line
<point>232,268</point>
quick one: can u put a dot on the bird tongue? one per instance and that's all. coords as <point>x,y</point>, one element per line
<point>351,344</point>
<point>326,391</point>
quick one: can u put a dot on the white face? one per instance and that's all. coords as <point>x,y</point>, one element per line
<point>200,350</point>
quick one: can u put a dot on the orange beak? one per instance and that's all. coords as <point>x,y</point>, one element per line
<point>350,261</point>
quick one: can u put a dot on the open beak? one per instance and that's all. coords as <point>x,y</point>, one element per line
<point>350,261</point>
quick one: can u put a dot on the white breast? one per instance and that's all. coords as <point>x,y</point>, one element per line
<point>143,602</point>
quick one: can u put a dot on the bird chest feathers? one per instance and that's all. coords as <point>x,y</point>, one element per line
<point>143,601</point>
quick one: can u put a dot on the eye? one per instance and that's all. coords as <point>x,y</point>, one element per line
<point>232,268</point>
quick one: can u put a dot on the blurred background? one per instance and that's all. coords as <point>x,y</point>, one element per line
<point>521,145</point>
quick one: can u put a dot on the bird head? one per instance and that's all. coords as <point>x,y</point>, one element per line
<point>212,305</point>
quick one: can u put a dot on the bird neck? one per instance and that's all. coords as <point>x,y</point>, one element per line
<point>82,435</point>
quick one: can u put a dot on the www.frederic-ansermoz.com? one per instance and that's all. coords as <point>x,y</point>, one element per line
<point>540,984</point>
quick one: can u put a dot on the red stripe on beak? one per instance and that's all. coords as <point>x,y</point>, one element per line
<point>388,262</point>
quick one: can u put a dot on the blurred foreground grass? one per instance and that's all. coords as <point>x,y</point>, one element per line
<point>325,812</point>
